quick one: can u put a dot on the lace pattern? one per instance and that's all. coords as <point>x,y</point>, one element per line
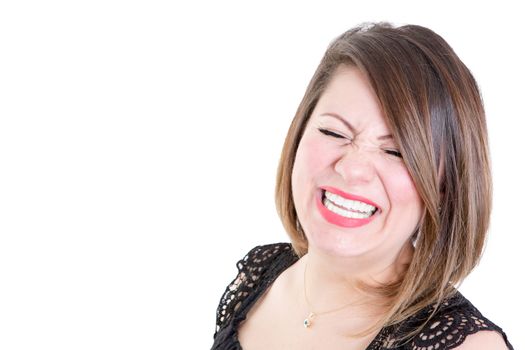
<point>251,270</point>
<point>455,319</point>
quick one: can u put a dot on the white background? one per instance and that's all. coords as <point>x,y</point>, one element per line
<point>139,142</point>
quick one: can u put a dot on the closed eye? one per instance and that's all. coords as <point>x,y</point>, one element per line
<point>394,153</point>
<point>331,133</point>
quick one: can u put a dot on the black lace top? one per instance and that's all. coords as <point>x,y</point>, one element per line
<point>455,320</point>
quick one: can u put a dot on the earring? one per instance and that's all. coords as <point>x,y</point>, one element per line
<point>415,237</point>
<point>299,228</point>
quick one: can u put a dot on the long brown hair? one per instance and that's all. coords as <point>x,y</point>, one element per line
<point>434,110</point>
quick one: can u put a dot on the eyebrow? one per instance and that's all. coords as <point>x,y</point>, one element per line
<point>351,127</point>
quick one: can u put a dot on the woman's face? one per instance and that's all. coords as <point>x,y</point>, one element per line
<point>352,191</point>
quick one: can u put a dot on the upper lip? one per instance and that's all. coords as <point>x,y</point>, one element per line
<point>349,196</point>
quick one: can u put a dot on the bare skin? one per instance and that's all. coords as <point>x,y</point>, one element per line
<point>276,320</point>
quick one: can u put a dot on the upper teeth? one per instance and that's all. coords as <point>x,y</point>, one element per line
<point>349,204</point>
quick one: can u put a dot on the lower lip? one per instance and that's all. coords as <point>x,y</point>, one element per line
<point>337,219</point>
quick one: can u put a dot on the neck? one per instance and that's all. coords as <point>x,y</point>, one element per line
<point>332,282</point>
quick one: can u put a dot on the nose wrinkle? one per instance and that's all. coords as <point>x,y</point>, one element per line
<point>365,146</point>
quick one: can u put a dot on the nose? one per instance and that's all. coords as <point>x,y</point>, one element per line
<point>355,166</point>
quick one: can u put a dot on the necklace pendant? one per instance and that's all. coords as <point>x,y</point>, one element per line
<point>309,320</point>
<point>307,323</point>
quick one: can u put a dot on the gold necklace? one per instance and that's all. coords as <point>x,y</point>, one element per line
<point>309,320</point>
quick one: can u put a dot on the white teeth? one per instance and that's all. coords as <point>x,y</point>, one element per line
<point>350,204</point>
<point>343,212</point>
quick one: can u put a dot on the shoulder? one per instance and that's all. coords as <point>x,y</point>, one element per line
<point>261,257</point>
<point>484,340</point>
<point>456,324</point>
<point>262,263</point>
<point>256,269</point>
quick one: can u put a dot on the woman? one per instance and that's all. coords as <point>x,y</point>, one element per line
<point>384,188</point>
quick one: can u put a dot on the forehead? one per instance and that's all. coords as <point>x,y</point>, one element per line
<point>350,96</point>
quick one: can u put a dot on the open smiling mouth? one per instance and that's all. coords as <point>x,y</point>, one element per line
<point>344,211</point>
<point>347,207</point>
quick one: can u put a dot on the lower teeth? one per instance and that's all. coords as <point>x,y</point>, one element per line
<point>343,212</point>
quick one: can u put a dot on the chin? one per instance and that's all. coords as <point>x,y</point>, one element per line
<point>343,245</point>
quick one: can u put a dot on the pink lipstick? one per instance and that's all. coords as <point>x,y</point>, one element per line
<point>340,220</point>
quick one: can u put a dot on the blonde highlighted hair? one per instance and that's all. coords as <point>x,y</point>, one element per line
<point>433,107</point>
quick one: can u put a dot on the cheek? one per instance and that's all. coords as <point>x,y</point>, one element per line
<point>402,190</point>
<point>310,164</point>
<point>312,155</point>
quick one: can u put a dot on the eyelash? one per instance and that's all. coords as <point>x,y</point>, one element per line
<point>331,133</point>
<point>337,136</point>
<point>394,153</point>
